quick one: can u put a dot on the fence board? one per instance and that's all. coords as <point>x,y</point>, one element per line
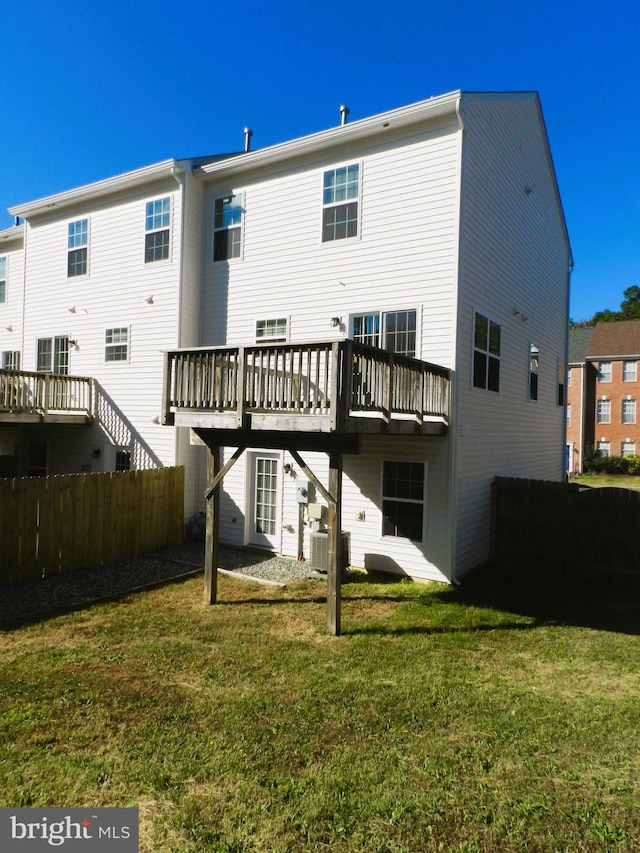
<point>51,525</point>
<point>565,530</point>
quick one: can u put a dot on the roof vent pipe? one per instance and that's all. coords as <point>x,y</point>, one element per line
<point>247,139</point>
<point>344,112</point>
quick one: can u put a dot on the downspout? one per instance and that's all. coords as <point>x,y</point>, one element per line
<point>454,390</point>
<point>24,292</point>
<point>178,177</point>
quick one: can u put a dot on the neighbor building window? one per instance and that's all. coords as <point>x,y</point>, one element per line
<point>11,360</point>
<point>395,329</point>
<point>604,371</point>
<point>271,330</point>
<point>562,378</point>
<point>116,344</point>
<point>77,240</point>
<point>534,365</point>
<point>629,371</point>
<point>340,192</point>
<point>569,414</point>
<point>157,222</point>
<point>604,448</point>
<point>3,279</point>
<point>628,411</point>
<point>628,448</point>
<point>604,412</point>
<point>227,227</point>
<point>486,353</point>
<point>403,499</point>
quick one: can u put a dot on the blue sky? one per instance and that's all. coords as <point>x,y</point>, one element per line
<point>91,89</point>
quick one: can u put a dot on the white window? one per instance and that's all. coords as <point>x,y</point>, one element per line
<point>403,499</point>
<point>569,414</point>
<point>628,411</point>
<point>157,222</point>
<point>122,459</point>
<point>271,330</point>
<point>77,240</point>
<point>604,448</point>
<point>534,366</point>
<point>340,194</point>
<point>604,412</point>
<point>394,330</point>
<point>116,344</point>
<point>604,371</point>
<point>628,448</point>
<point>629,371</point>
<point>3,279</point>
<point>227,227</point>
<point>486,353</point>
<point>11,360</point>
<point>53,355</point>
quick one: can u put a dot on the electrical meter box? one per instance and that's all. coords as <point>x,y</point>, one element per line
<point>302,492</point>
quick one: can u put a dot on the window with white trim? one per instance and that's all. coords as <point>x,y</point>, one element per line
<point>116,344</point>
<point>3,279</point>
<point>604,412</point>
<point>11,360</point>
<point>534,366</point>
<point>628,448</point>
<point>156,225</point>
<point>568,414</point>
<point>77,243</point>
<point>629,371</point>
<point>271,330</point>
<point>122,459</point>
<point>628,411</point>
<point>394,330</point>
<point>227,227</point>
<point>53,355</point>
<point>340,194</point>
<point>604,371</point>
<point>486,353</point>
<point>604,448</point>
<point>403,499</point>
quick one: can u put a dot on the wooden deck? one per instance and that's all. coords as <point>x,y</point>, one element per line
<point>52,397</point>
<point>326,387</point>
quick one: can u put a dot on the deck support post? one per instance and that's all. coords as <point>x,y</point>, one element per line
<point>334,544</point>
<point>211,548</point>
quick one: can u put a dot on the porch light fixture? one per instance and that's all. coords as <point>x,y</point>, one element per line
<point>149,300</point>
<point>73,343</point>
<point>335,322</point>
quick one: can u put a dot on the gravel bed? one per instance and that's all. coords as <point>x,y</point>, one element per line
<point>86,586</point>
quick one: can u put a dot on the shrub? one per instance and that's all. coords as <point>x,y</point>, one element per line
<point>595,463</point>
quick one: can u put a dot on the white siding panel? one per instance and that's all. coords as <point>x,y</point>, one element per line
<point>514,257</point>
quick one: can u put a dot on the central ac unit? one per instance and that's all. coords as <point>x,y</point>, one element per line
<point>320,551</point>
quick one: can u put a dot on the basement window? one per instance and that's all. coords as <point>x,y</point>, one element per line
<point>403,499</point>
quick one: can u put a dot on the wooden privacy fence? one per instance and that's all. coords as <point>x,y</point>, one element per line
<point>57,524</point>
<point>566,530</point>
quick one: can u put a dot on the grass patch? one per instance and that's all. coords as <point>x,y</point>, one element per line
<point>441,720</point>
<point>618,481</point>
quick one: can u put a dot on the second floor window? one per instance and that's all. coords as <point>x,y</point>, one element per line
<point>3,279</point>
<point>486,353</point>
<point>534,365</point>
<point>227,227</point>
<point>395,331</point>
<point>628,411</point>
<point>604,412</point>
<point>629,371</point>
<point>156,226</point>
<point>340,193</point>
<point>116,344</point>
<point>77,239</point>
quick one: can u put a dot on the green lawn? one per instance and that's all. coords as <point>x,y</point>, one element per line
<point>619,481</point>
<point>440,721</point>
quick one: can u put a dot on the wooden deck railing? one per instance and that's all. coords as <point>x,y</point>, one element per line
<point>334,379</point>
<point>22,392</point>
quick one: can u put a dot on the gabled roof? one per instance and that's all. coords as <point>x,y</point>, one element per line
<point>619,339</point>
<point>579,340</point>
<point>10,235</point>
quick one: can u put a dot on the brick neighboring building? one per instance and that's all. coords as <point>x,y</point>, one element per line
<point>604,390</point>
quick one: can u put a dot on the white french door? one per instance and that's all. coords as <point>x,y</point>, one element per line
<point>264,508</point>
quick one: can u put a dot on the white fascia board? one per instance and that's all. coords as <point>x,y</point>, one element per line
<point>434,109</point>
<point>136,178</point>
<point>16,232</point>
